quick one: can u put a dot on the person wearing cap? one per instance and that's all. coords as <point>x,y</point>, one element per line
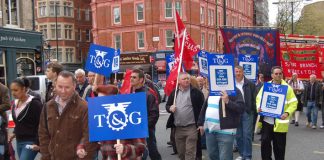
<point>298,88</point>
<point>128,148</point>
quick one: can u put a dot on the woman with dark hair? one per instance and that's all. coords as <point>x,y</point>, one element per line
<point>25,113</point>
<point>129,149</point>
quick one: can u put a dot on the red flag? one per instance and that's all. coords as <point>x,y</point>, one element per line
<point>190,48</point>
<point>172,79</point>
<point>126,87</point>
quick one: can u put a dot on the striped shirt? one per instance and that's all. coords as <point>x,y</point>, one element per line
<point>212,120</point>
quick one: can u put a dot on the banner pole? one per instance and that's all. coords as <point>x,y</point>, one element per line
<point>256,124</point>
<point>223,108</point>
<point>179,66</point>
<point>119,155</point>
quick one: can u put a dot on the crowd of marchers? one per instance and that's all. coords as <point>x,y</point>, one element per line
<point>57,127</point>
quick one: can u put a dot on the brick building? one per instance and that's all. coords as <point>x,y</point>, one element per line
<point>69,41</point>
<point>139,26</point>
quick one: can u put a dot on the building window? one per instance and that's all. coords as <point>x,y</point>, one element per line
<point>202,14</point>
<point>42,9</point>
<point>168,9</point>
<point>169,38</point>
<point>79,14</point>
<point>202,45</point>
<point>68,31</point>
<point>178,8</point>
<point>209,12</point>
<point>69,55</point>
<point>43,29</point>
<point>54,8</point>
<point>211,17</point>
<point>140,40</point>
<point>140,12</point>
<point>68,9</point>
<point>116,15</point>
<point>12,12</point>
<point>88,35</point>
<point>53,31</point>
<point>59,54</point>
<point>59,31</point>
<point>87,14</point>
<point>79,35</point>
<point>117,40</point>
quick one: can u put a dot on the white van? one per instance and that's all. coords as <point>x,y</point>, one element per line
<point>38,84</point>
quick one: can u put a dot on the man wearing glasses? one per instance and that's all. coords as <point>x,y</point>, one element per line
<point>275,130</point>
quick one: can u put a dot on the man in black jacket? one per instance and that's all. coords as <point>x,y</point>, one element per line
<point>312,99</point>
<point>137,83</point>
<point>245,129</point>
<point>185,113</point>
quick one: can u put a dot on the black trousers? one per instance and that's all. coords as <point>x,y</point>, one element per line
<point>278,140</point>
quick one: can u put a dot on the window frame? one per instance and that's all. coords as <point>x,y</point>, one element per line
<point>137,12</point>
<point>169,39</point>
<point>119,14</point>
<point>138,39</point>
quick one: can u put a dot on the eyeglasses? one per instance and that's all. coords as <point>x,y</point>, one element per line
<point>277,74</point>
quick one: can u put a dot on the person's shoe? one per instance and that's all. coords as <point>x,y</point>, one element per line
<point>235,149</point>
<point>308,125</point>
<point>239,158</point>
<point>313,127</point>
<point>296,124</point>
<point>322,127</point>
<point>292,122</point>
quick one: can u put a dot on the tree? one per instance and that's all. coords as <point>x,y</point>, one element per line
<point>287,10</point>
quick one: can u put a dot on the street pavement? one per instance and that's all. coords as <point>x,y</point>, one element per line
<point>302,143</point>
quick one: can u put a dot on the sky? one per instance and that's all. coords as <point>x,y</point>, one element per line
<point>273,9</point>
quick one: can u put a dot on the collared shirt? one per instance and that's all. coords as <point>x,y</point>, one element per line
<point>184,115</point>
<point>239,85</point>
<point>60,106</point>
<point>22,105</point>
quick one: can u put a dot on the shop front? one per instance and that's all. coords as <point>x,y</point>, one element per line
<point>20,54</point>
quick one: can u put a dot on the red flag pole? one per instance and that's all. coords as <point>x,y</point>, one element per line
<point>179,66</point>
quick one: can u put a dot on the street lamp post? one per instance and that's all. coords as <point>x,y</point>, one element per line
<point>55,8</point>
<point>292,12</point>
<point>49,52</point>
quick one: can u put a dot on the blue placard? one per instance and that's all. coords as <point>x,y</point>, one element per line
<point>100,59</point>
<point>221,74</point>
<point>203,63</point>
<point>170,62</point>
<point>118,117</point>
<point>250,66</point>
<point>273,100</point>
<point>116,61</point>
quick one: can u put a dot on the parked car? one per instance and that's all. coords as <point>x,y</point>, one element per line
<point>38,84</point>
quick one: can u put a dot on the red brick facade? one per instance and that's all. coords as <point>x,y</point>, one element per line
<point>74,17</point>
<point>200,17</point>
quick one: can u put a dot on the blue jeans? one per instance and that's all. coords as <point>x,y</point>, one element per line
<point>23,152</point>
<point>244,136</point>
<point>219,146</point>
<point>312,111</point>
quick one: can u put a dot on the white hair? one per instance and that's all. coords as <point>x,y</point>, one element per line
<point>312,75</point>
<point>79,71</point>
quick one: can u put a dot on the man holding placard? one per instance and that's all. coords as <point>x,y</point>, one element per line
<point>283,105</point>
<point>244,130</point>
<point>137,83</point>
